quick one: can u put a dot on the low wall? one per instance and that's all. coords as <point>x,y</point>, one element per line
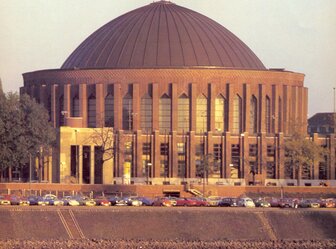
<point>161,224</point>
<point>160,190</point>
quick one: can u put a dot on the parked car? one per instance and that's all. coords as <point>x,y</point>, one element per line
<point>200,201</point>
<point>37,200</point>
<point>164,201</point>
<point>146,201</point>
<point>133,201</point>
<point>228,202</point>
<point>262,203</point>
<point>102,201</point>
<point>213,201</point>
<point>85,201</point>
<point>287,203</point>
<point>16,200</point>
<point>274,202</point>
<point>4,201</point>
<point>114,200</point>
<point>70,201</point>
<point>55,201</point>
<point>246,202</point>
<point>330,203</point>
<point>313,203</point>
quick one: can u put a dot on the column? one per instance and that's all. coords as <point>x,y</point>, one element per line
<point>280,156</point>
<point>316,162</point>
<point>332,157</point>
<point>174,154</point>
<point>157,155</point>
<point>80,164</point>
<point>100,110</point>
<point>83,103</point>
<point>227,169</point>
<point>92,164</point>
<point>247,99</point>
<point>155,106</point>
<point>117,107</point>
<point>139,140</point>
<point>191,154</point>
<point>53,111</point>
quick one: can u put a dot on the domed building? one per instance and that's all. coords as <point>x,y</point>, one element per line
<point>165,95</point>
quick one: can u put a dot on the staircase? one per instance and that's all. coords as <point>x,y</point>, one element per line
<point>195,192</point>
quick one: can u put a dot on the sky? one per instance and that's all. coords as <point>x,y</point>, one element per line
<point>298,35</point>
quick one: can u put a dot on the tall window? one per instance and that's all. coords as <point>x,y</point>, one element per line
<point>237,115</point>
<point>164,160</point>
<point>279,115</point>
<point>146,113</point>
<point>127,106</point>
<point>75,107</point>
<point>220,113</point>
<point>201,114</point>
<point>181,163</point>
<point>268,115</point>
<point>109,110</point>
<point>183,113</point>
<point>217,161</point>
<point>92,111</point>
<point>253,115</point>
<point>165,114</point>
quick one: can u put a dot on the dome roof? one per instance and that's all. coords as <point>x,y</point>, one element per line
<point>162,35</point>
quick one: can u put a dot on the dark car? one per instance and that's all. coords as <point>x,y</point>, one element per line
<point>262,203</point>
<point>228,202</point>
<point>145,201</point>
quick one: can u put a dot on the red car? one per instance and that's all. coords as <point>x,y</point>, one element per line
<point>102,201</point>
<point>164,201</point>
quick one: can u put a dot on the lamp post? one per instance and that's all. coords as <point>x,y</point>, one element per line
<point>149,167</point>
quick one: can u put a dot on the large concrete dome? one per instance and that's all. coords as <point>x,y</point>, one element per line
<point>162,35</point>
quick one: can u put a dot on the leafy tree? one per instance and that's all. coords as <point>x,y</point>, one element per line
<point>25,131</point>
<point>301,152</point>
<point>206,167</point>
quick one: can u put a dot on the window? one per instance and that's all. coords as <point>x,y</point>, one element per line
<point>237,115</point>
<point>75,107</point>
<point>280,115</point>
<point>253,150</point>
<point>201,114</point>
<point>146,113</point>
<point>183,114</point>
<point>165,114</point>
<point>61,109</point>
<point>164,160</point>
<point>199,156</point>
<point>270,167</point>
<point>92,111</point>
<point>127,107</point>
<point>109,110</point>
<point>220,113</point>
<point>235,161</point>
<point>253,115</point>
<point>270,150</point>
<point>217,161</point>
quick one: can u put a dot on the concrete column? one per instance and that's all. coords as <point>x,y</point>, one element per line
<point>53,111</point>
<point>139,140</point>
<point>191,155</point>
<point>316,163</point>
<point>275,109</point>
<point>281,156</point>
<point>245,167</point>
<point>155,107</point>
<point>230,97</point>
<point>92,165</point>
<point>80,164</point>
<point>262,149</point>
<point>117,107</point>
<point>261,108</point>
<point>227,168</point>
<point>174,156</point>
<point>100,107</point>
<point>121,153</point>
<point>83,103</point>
<point>157,155</point>
<point>67,97</point>
<point>332,157</point>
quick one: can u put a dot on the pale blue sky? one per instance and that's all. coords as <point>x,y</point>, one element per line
<point>299,35</point>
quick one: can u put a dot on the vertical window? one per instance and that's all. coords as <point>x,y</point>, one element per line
<point>146,113</point>
<point>183,113</point>
<point>146,159</point>
<point>181,164</point>
<point>201,114</point>
<point>270,170</point>
<point>268,115</point>
<point>235,161</point>
<point>92,111</point>
<point>75,107</point>
<point>109,110</point>
<point>220,113</point>
<point>199,157</point>
<point>164,160</point>
<point>253,115</point>
<point>127,106</point>
<point>237,115</point>
<point>217,161</point>
<point>165,114</point>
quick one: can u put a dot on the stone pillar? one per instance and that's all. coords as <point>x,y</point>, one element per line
<point>193,98</point>
<point>247,100</point>
<point>174,154</point>
<point>139,145</point>
<point>80,164</point>
<point>230,96</point>
<point>174,100</point>
<point>227,168</point>
<point>280,149</point>
<point>261,108</point>
<point>83,103</point>
<point>156,162</point>
<point>245,167</point>
<point>53,111</point>
<point>136,107</point>
<point>316,162</point>
<point>92,164</point>
<point>191,154</point>
<point>67,95</point>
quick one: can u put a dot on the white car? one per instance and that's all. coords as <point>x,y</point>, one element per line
<point>246,202</point>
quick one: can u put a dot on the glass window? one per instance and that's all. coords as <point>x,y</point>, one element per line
<point>217,161</point>
<point>165,114</point>
<point>253,115</point>
<point>146,113</point>
<point>127,107</point>
<point>183,113</point>
<point>201,114</point>
<point>235,161</point>
<point>92,111</point>
<point>61,109</point>
<point>270,170</point>
<point>109,110</point>
<point>220,113</point>
<point>237,115</point>
<point>164,160</point>
<point>280,115</point>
